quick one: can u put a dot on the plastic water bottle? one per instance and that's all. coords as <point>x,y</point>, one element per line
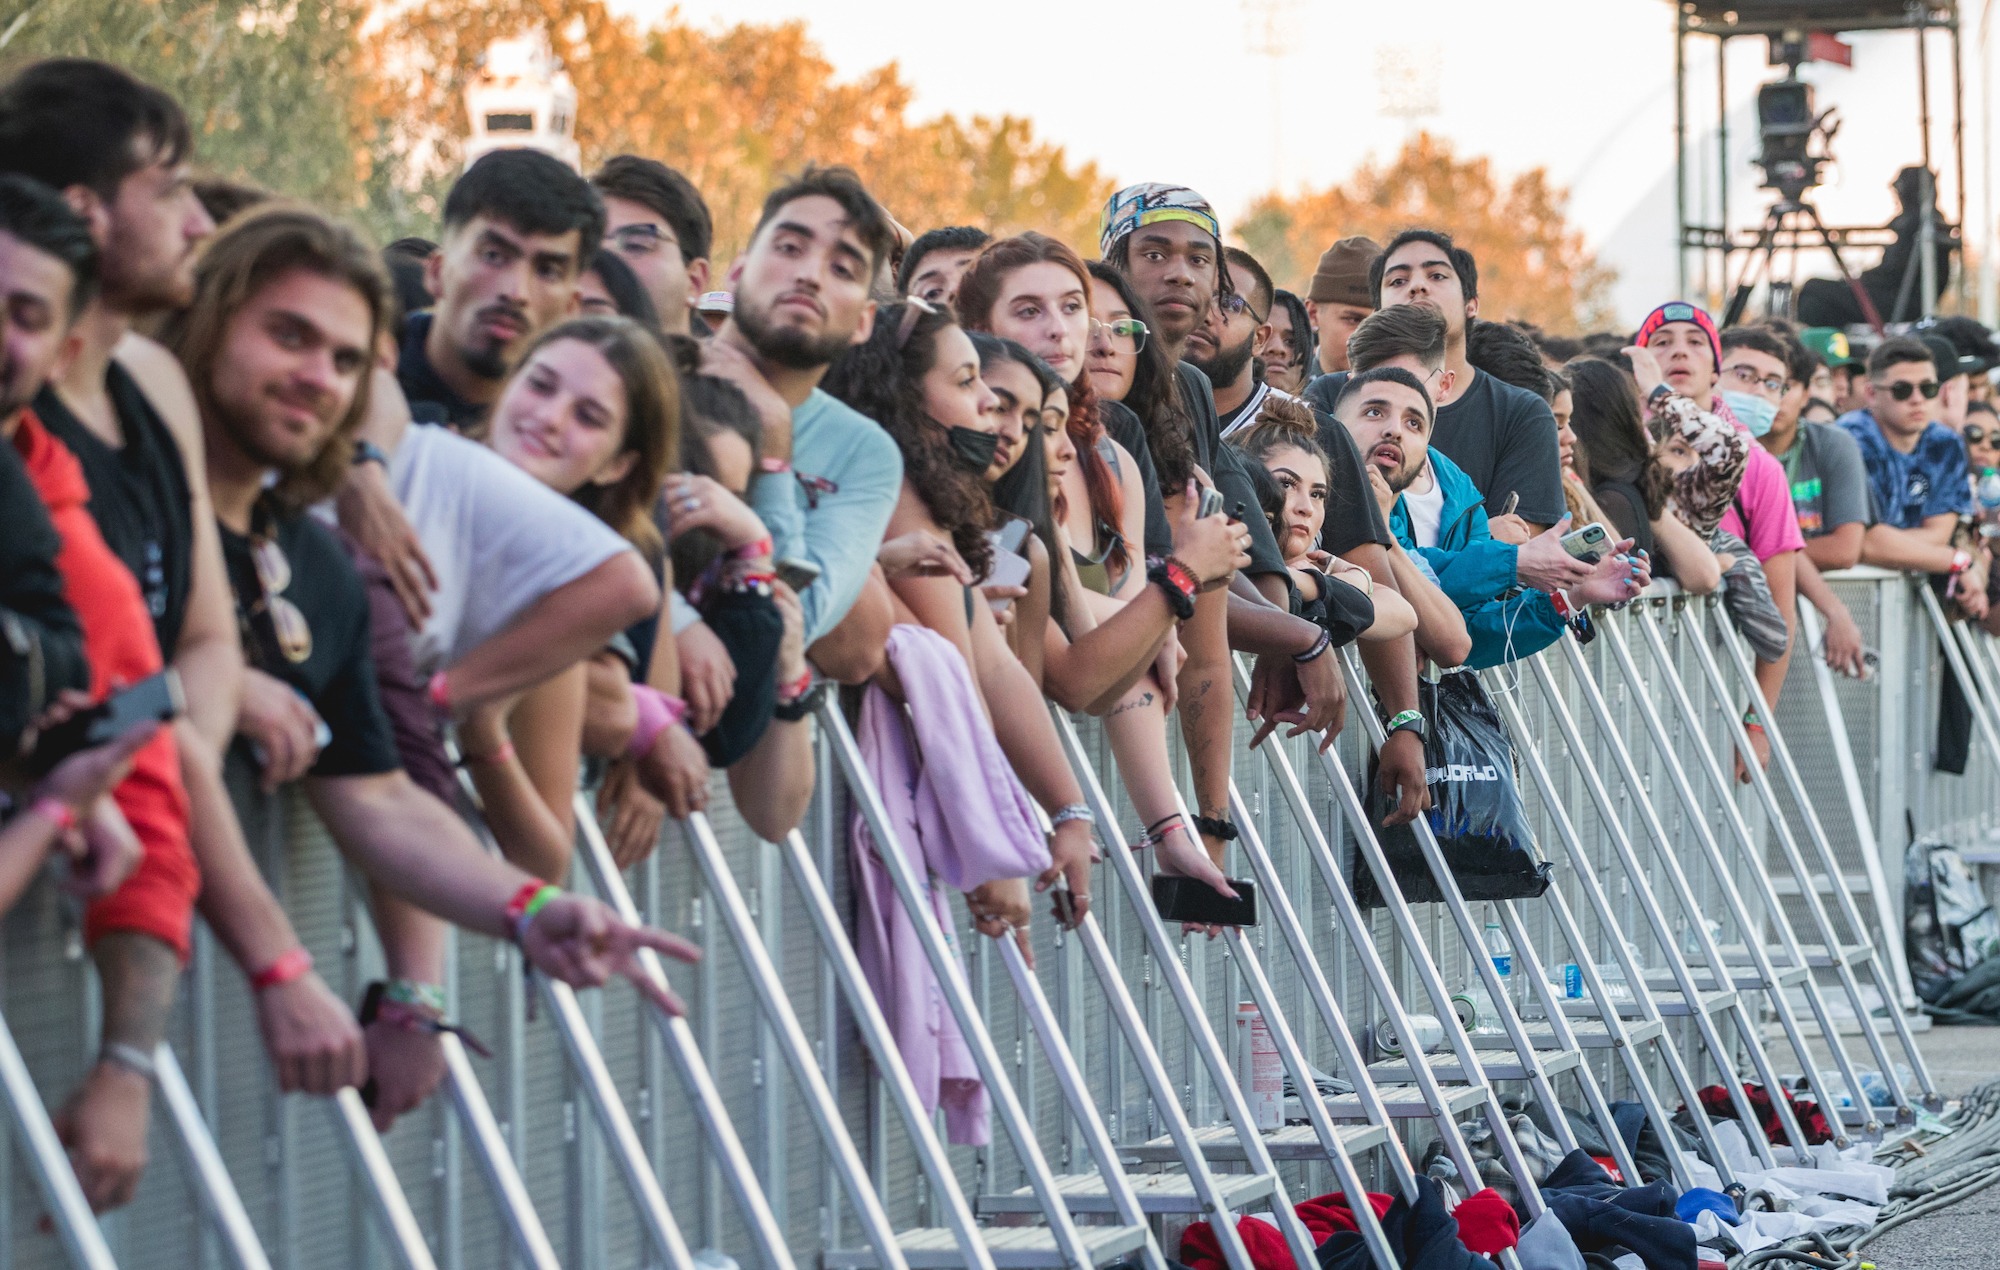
<point>1502,954</point>
<point>1988,488</point>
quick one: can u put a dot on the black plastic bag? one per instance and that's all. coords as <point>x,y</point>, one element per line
<point>1476,810</point>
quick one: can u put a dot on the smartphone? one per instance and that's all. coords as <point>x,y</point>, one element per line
<point>1211,503</point>
<point>1513,501</point>
<point>1012,534</point>
<point>797,574</point>
<point>1008,570</point>
<point>158,697</point>
<point>1189,900</point>
<point>1587,544</point>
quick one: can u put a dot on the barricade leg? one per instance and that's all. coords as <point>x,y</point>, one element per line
<point>42,1152</point>
<point>1766,974</point>
<point>1831,950</point>
<point>1876,958</point>
<point>393,1218</point>
<point>1701,1006</point>
<point>202,1163</point>
<point>1063,1242</point>
<point>1651,1024</point>
<point>1241,1141</point>
<point>678,1038</point>
<point>1471,1068</point>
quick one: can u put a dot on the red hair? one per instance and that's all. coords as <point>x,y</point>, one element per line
<point>978,292</point>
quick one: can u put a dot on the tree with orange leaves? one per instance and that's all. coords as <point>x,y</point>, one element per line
<point>1532,264</point>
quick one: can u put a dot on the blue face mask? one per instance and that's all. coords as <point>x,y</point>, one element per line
<point>1753,412</point>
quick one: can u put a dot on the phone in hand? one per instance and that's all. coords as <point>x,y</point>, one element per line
<point>1198,903</point>
<point>796,574</point>
<point>1010,563</point>
<point>1588,544</point>
<point>1012,535</point>
<point>1211,503</point>
<point>157,697</point>
<point>1513,501</point>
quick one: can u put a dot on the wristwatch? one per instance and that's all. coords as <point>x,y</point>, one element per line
<point>1407,721</point>
<point>369,452</point>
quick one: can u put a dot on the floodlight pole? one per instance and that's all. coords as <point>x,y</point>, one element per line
<point>1927,182</point>
<point>1680,152</point>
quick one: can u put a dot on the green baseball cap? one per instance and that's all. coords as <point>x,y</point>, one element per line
<point>1829,344</point>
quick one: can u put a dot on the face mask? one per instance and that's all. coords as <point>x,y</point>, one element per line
<point>1753,412</point>
<point>972,449</point>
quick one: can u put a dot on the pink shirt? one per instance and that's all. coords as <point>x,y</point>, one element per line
<point>1766,494</point>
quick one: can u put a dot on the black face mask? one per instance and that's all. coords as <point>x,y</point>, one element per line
<point>972,449</point>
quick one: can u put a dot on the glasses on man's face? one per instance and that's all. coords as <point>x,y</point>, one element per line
<point>288,624</point>
<point>1746,377</point>
<point>641,239</point>
<point>1234,306</point>
<point>1902,388</point>
<point>1125,335</point>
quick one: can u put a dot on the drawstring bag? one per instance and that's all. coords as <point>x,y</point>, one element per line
<point>1476,811</point>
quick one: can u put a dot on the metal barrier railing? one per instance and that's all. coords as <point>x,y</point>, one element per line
<point>1124,1121</point>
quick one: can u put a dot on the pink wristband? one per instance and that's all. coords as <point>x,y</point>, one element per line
<point>657,713</point>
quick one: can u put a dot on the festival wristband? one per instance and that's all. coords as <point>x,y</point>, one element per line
<point>533,896</point>
<point>752,550</point>
<point>1961,560</point>
<point>55,811</point>
<point>1320,645</point>
<point>292,964</point>
<point>439,692</point>
<point>1564,609</point>
<point>415,994</point>
<point>657,712</point>
<point>788,693</point>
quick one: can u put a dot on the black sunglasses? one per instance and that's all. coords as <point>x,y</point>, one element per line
<point>1902,389</point>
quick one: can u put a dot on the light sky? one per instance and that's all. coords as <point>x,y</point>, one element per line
<point>1171,90</point>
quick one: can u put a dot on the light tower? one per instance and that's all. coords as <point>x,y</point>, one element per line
<point>522,98</point>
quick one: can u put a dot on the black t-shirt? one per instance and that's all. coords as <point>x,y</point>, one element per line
<point>41,644</point>
<point>1352,516</point>
<point>1123,426</point>
<point>1225,466</point>
<point>338,676</point>
<point>139,497</point>
<point>1502,437</point>
<point>431,399</point>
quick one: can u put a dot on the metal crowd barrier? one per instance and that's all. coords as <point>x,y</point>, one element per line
<point>1699,931</point>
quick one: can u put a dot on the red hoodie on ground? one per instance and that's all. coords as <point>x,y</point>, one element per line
<point>158,899</point>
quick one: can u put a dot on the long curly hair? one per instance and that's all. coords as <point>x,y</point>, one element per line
<point>978,292</point>
<point>883,378</point>
<point>1155,394</point>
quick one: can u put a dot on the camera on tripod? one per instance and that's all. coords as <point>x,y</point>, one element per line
<point>1787,123</point>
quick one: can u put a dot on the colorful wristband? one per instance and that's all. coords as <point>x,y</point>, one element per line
<point>788,693</point>
<point>1320,645</point>
<point>657,713</point>
<point>410,992</point>
<point>55,811</point>
<point>533,896</point>
<point>751,550</point>
<point>439,692</point>
<point>294,963</point>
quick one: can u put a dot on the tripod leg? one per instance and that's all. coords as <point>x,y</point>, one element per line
<point>1767,243</point>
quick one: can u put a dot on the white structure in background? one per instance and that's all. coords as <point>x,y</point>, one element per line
<point>522,98</point>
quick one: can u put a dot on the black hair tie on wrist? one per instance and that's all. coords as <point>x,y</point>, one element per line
<point>1216,827</point>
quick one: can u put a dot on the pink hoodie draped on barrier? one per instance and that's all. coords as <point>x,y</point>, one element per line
<point>958,812</point>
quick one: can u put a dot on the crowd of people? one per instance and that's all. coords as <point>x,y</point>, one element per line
<point>558,501</point>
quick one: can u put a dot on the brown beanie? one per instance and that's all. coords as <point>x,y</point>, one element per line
<point>1342,276</point>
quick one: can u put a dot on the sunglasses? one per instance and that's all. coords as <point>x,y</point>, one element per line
<point>289,630</point>
<point>1903,388</point>
<point>1973,433</point>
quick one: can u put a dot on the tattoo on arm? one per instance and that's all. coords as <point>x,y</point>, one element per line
<point>1140,702</point>
<point>140,974</point>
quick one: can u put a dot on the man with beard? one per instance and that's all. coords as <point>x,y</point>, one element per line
<point>1502,437</point>
<point>279,346</point>
<point>827,476</point>
<point>518,227</point>
<point>1167,241</point>
<point>117,149</point>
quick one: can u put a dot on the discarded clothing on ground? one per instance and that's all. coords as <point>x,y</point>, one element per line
<point>1812,1122</point>
<point>1608,1219</point>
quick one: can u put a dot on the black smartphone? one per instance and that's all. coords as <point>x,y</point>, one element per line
<point>1189,900</point>
<point>797,574</point>
<point>158,697</point>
